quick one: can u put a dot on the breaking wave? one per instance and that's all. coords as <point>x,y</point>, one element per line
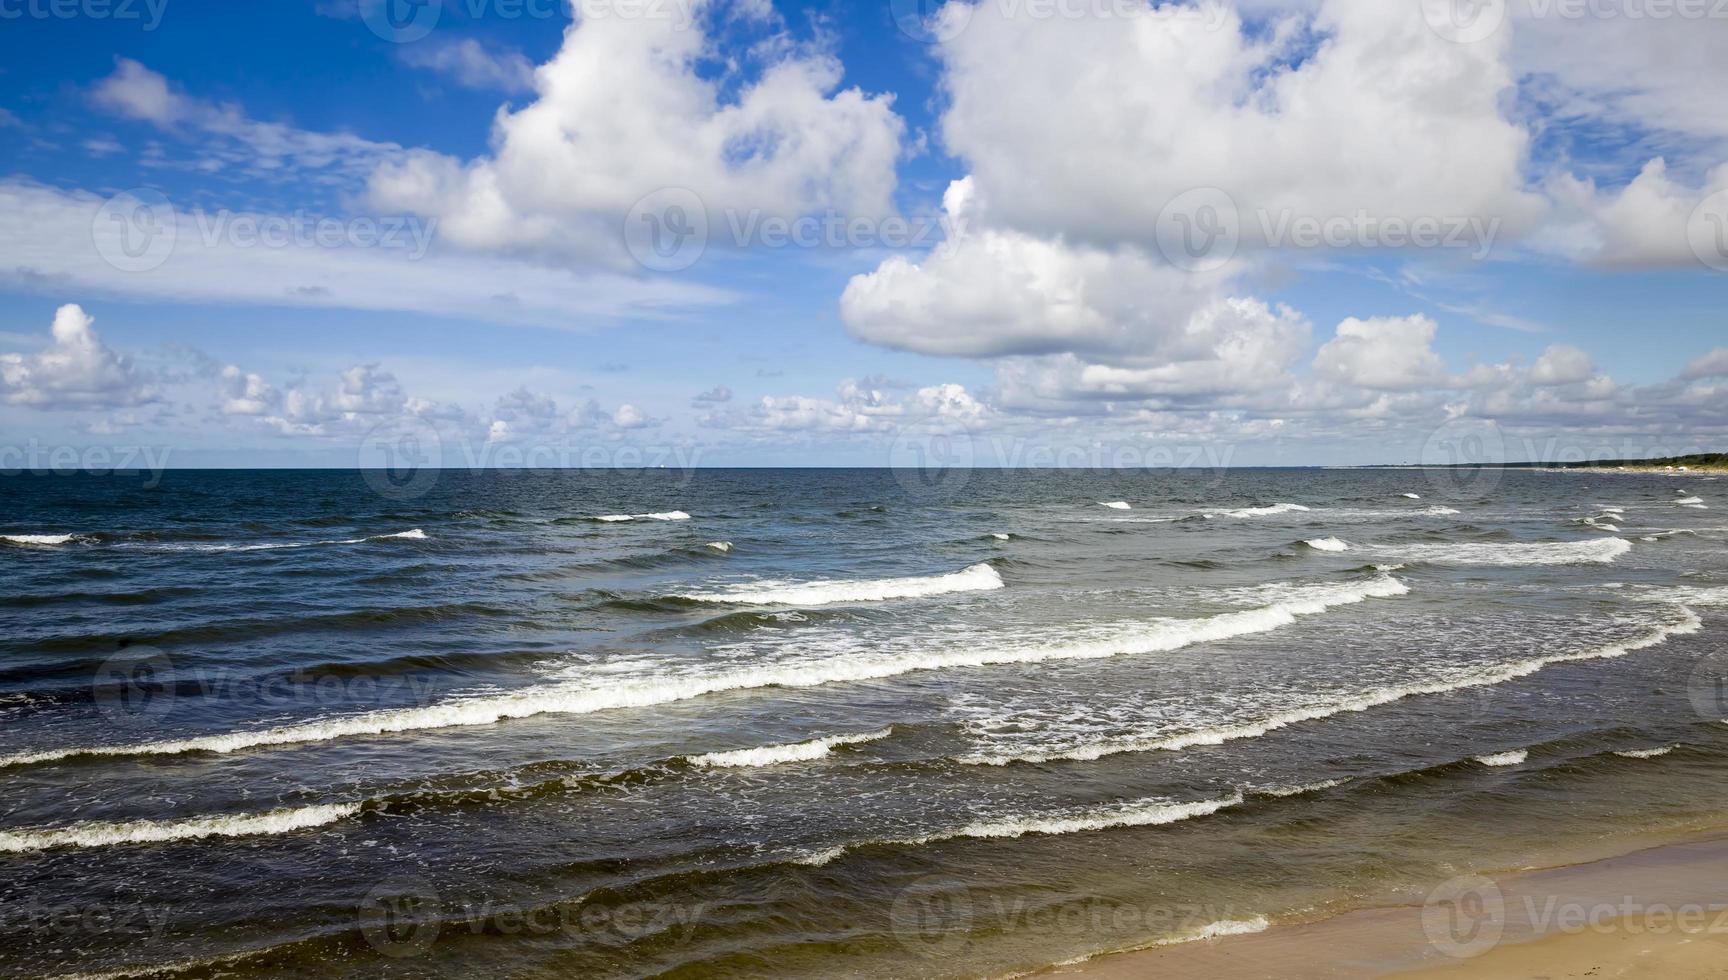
<point>770,755</point>
<point>1094,750</point>
<point>1260,511</point>
<point>102,833</point>
<point>584,696</point>
<point>975,578</point>
<point>1598,551</point>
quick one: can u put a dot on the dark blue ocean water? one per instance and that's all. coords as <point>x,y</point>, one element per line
<point>822,722</point>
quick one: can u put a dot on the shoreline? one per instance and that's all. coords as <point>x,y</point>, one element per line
<point>1659,911</point>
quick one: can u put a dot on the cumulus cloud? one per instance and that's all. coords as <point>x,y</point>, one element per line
<point>857,409</point>
<point>1562,364</point>
<point>1360,108</point>
<point>1383,353</point>
<point>1711,365</point>
<point>75,370</point>
<point>622,111</point>
<point>993,292</point>
<point>1653,220</point>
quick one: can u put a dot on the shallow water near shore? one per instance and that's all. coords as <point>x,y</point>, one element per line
<point>272,723</point>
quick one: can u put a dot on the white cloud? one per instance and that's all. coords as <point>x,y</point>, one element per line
<point>76,370</point>
<point>622,111</point>
<point>225,136</point>
<point>1647,222</point>
<point>1562,364</point>
<point>1383,353</point>
<point>994,292</point>
<point>55,237</point>
<point>1087,126</point>
<point>471,64</point>
<point>1711,365</point>
<point>859,410</point>
<point>1645,71</point>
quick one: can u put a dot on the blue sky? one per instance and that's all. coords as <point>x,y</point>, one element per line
<point>1049,315</point>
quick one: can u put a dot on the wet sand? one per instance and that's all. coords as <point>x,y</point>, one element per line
<point>1657,913</point>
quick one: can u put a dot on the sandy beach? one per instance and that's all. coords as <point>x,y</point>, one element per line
<point>1655,913</point>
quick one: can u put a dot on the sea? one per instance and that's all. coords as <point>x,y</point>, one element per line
<point>824,722</point>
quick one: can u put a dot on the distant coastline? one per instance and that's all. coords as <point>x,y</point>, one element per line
<point>1694,463</point>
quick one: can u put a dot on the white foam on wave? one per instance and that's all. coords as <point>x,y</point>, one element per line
<point>1645,753</point>
<point>39,539</point>
<point>583,696</point>
<point>1327,544</point>
<point>1413,496</point>
<point>1211,930</point>
<point>974,578</point>
<point>1138,813</point>
<point>1117,505</point>
<point>1515,757</point>
<point>770,755</point>
<point>1458,681</point>
<point>414,534</point>
<point>1598,551</point>
<point>1686,501</point>
<point>102,833</point>
<point>1280,792</point>
<point>667,515</point>
<point>721,546</point>
<point>1439,511</point>
<point>1260,511</point>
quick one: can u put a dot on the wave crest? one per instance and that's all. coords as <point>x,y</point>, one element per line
<point>974,578</point>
